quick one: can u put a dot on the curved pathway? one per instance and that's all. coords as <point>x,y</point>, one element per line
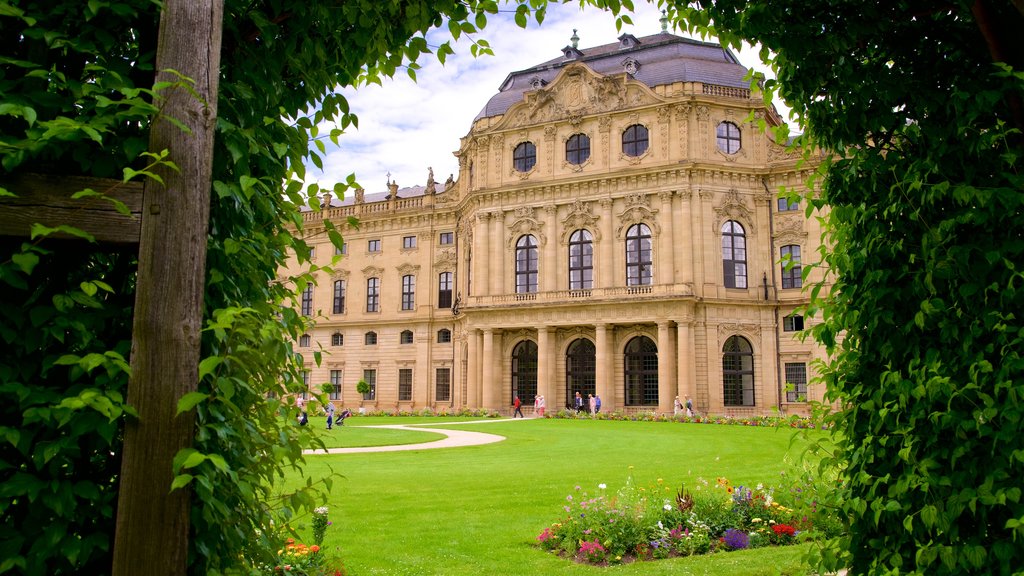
<point>452,439</point>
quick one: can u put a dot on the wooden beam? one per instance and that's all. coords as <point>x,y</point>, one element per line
<point>152,529</point>
<point>46,199</point>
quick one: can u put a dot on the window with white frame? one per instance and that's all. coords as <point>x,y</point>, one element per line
<point>405,384</point>
<point>796,382</point>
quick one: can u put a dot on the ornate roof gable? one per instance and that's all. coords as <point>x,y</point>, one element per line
<point>577,91</point>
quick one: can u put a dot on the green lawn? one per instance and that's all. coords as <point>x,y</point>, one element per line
<point>355,432</point>
<point>477,510</point>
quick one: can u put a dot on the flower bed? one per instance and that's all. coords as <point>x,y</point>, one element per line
<point>298,559</point>
<point>655,521</point>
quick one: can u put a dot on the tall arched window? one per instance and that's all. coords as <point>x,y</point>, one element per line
<point>524,372</point>
<point>792,276</point>
<point>581,260</point>
<point>640,370</point>
<point>580,369</point>
<point>408,292</point>
<point>444,290</point>
<point>526,264</point>
<point>734,255</point>
<point>634,140</point>
<point>524,157</point>
<point>373,294</point>
<point>638,255</point>
<point>738,372</point>
<point>339,297</point>
<point>307,300</point>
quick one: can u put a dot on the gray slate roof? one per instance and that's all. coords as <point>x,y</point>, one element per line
<point>663,59</point>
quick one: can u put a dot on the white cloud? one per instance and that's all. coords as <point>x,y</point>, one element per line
<point>406,127</point>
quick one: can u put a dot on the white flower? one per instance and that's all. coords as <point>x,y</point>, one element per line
<point>602,486</point>
<point>668,506</point>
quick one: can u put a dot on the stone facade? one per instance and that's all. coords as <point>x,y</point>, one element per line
<point>609,233</point>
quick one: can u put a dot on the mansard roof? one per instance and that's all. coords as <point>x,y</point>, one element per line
<point>657,60</point>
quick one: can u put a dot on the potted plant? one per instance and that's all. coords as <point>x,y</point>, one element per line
<point>363,388</point>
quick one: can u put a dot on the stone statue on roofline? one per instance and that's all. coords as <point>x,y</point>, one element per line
<point>431,186</point>
<point>392,189</point>
<point>359,196</point>
<point>449,182</point>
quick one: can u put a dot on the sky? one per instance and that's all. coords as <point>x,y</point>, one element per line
<point>406,127</point>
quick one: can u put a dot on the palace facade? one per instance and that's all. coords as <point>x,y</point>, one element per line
<point>615,229</point>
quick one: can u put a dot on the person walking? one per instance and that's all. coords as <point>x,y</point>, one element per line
<point>330,414</point>
<point>542,405</point>
<point>597,403</point>
<point>592,405</point>
<point>578,403</point>
<point>689,406</point>
<point>518,405</point>
<point>301,403</point>
<point>536,404</point>
<point>677,407</point>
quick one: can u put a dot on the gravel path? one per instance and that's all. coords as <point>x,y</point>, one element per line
<point>452,439</point>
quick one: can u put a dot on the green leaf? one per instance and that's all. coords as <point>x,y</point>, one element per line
<point>26,261</point>
<point>190,400</point>
<point>180,481</point>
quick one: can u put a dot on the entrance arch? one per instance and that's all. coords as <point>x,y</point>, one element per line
<point>580,369</point>
<point>640,363</point>
<point>524,372</point>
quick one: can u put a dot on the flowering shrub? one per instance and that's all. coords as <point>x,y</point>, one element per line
<point>653,521</point>
<point>296,558</point>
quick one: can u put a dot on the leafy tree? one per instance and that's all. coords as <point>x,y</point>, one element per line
<point>77,97</point>
<point>918,105</point>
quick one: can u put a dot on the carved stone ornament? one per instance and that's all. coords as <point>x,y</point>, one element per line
<point>733,207</point>
<point>445,259</point>
<point>373,272</point>
<point>511,338</point>
<point>637,211</point>
<point>631,66</point>
<point>749,331</point>
<point>790,228</point>
<point>521,227</point>
<point>340,274</point>
<point>580,216</point>
<point>703,112</point>
<point>407,269</point>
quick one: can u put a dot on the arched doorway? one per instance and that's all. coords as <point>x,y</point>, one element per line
<point>640,364</point>
<point>580,369</point>
<point>738,372</point>
<point>524,372</point>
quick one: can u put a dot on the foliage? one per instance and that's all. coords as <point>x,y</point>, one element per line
<point>919,107</point>
<point>362,387</point>
<point>653,522</point>
<point>77,98</point>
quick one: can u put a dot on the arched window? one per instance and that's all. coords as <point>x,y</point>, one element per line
<point>304,341</point>
<point>580,369</point>
<point>577,149</point>
<point>634,140</point>
<point>738,372</point>
<point>339,297</point>
<point>405,337</point>
<point>792,276</point>
<point>640,370</point>
<point>734,255</point>
<point>524,157</point>
<point>370,339</point>
<point>581,260</point>
<point>444,290</point>
<point>524,372</point>
<point>337,339</point>
<point>373,294</point>
<point>307,300</point>
<point>444,336</point>
<point>408,292</point>
<point>526,265</point>
<point>638,255</point>
<point>728,138</point>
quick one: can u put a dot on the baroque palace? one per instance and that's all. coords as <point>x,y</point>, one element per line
<point>615,229</point>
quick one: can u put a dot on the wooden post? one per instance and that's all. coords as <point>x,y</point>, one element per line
<point>153,522</point>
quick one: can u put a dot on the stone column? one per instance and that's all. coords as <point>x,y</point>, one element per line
<point>603,363</point>
<point>686,235</point>
<point>545,365</point>
<point>473,373</point>
<point>482,255</point>
<point>606,269</point>
<point>686,360</point>
<point>549,254</point>
<point>490,388</point>
<point>666,271</point>
<point>666,369</point>
<point>497,263</point>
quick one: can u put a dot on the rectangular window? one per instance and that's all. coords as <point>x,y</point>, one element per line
<point>339,297</point>
<point>792,323</point>
<point>408,242</point>
<point>408,292</point>
<point>446,238</point>
<point>443,383</point>
<point>373,246</point>
<point>444,336</point>
<point>405,384</point>
<point>370,377</point>
<point>444,290</point>
<point>373,295</point>
<point>796,382</point>
<point>305,384</point>
<point>788,204</point>
<point>307,300</point>
<point>335,384</point>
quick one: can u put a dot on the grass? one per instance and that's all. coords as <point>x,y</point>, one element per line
<point>357,432</point>
<point>477,510</point>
